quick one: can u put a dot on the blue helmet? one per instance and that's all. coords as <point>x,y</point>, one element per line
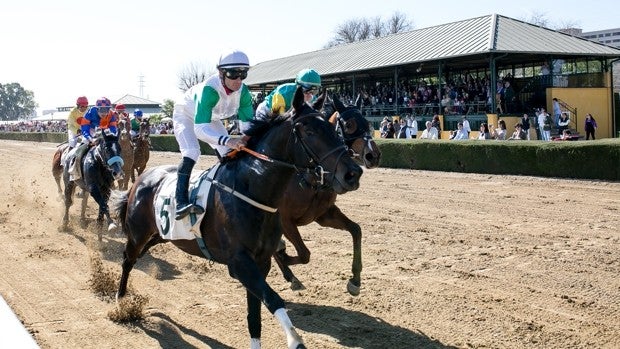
<point>137,113</point>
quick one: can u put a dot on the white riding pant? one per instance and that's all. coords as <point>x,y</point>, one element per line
<point>188,142</point>
<point>72,138</point>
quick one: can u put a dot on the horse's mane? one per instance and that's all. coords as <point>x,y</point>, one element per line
<point>259,127</point>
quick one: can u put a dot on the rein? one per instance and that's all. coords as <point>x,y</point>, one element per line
<point>317,170</point>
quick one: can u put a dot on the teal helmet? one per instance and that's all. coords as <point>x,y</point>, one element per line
<point>308,79</point>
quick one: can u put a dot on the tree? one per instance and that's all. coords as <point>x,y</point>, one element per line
<point>16,102</point>
<point>398,23</point>
<point>193,74</point>
<point>167,107</point>
<point>359,29</point>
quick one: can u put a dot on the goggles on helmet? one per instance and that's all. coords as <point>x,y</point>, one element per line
<point>235,73</point>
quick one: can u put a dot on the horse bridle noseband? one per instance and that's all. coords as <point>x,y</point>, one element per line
<point>317,170</point>
<point>349,139</point>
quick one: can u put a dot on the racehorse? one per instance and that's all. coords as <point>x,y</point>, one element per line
<point>304,204</point>
<point>124,139</point>
<point>242,226</point>
<point>57,167</point>
<point>141,152</point>
<point>100,167</point>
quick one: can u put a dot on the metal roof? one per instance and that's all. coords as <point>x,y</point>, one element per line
<point>473,40</point>
<point>135,100</point>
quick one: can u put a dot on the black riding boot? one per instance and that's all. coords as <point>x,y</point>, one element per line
<point>184,207</point>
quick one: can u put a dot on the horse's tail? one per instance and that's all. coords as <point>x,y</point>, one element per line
<point>118,205</point>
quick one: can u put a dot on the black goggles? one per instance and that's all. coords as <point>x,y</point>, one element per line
<point>310,89</point>
<point>234,74</point>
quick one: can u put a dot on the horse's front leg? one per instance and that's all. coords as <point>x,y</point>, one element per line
<point>245,269</point>
<point>334,218</point>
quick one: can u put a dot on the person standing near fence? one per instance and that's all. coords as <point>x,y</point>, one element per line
<point>525,125</point>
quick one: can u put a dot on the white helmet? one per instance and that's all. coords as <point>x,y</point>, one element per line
<point>233,59</point>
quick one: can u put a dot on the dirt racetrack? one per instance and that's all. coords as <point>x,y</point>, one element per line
<point>450,260</point>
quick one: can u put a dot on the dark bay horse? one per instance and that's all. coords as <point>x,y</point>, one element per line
<point>142,146</point>
<point>127,151</point>
<point>100,167</point>
<point>304,204</point>
<point>243,233</point>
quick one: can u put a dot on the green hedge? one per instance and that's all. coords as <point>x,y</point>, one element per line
<point>582,159</point>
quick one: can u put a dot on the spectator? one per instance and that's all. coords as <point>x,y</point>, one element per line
<point>544,124</point>
<point>563,122</point>
<point>500,132</point>
<point>590,127</point>
<point>557,111</point>
<point>525,125</point>
<point>484,132</point>
<point>437,125</point>
<point>519,133</point>
<point>430,132</point>
<point>509,97</point>
<point>402,130</point>
<point>466,126</point>
<point>412,127</point>
<point>459,133</point>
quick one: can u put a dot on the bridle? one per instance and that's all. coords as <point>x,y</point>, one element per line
<point>348,139</point>
<point>316,161</point>
<point>105,143</point>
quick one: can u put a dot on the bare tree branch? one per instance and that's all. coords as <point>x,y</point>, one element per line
<point>398,23</point>
<point>193,74</point>
<point>365,28</point>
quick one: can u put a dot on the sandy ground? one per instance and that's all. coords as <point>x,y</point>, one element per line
<point>450,260</point>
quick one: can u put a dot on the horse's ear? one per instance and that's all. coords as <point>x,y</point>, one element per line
<point>338,104</point>
<point>298,99</point>
<point>334,118</point>
<point>318,104</point>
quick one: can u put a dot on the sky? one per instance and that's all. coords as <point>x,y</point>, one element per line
<point>63,49</point>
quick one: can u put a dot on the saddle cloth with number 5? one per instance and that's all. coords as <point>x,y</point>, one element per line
<point>187,228</point>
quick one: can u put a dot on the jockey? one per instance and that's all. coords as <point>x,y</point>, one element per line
<point>135,122</point>
<point>199,114</point>
<point>121,114</point>
<point>100,116</point>
<point>279,100</point>
<point>73,128</point>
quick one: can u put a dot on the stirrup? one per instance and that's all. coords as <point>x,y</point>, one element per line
<point>183,211</point>
<point>197,209</point>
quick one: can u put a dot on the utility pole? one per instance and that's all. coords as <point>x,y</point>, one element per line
<point>141,84</point>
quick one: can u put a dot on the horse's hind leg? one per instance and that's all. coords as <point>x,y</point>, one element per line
<point>281,257</point>
<point>130,256</point>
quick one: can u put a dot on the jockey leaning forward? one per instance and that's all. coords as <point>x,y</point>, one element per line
<point>136,119</point>
<point>99,116</point>
<point>73,127</point>
<point>279,100</point>
<point>199,114</point>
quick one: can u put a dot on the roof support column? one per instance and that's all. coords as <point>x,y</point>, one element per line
<point>493,87</point>
<point>395,100</point>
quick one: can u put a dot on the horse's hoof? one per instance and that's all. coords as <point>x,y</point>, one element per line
<point>296,285</point>
<point>112,227</point>
<point>353,289</point>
